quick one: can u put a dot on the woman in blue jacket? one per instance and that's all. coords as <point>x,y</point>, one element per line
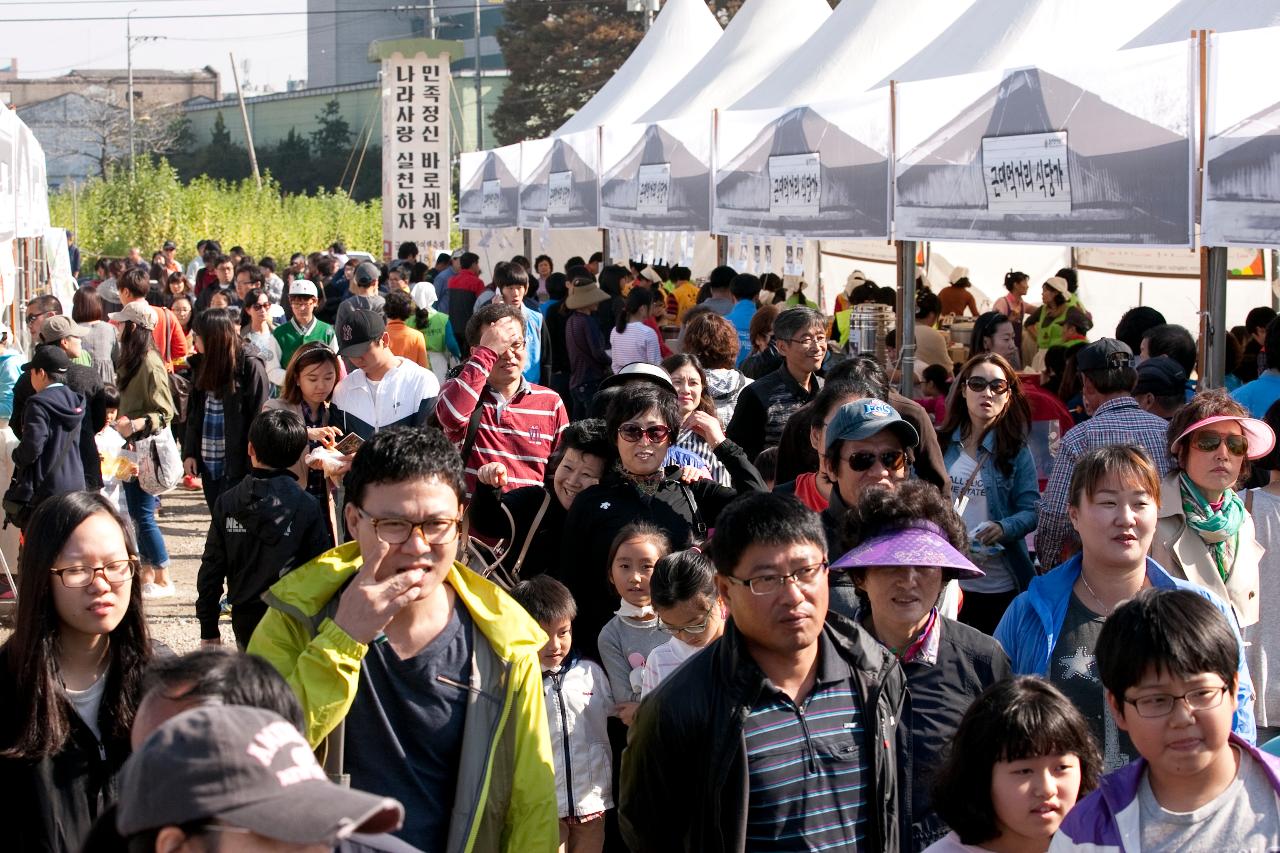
<point>993,483</point>
<point>1051,630</point>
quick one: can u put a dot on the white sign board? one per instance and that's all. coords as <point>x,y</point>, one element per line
<point>492,198</point>
<point>416,207</point>
<point>560,192</point>
<point>1027,173</point>
<point>795,184</point>
<point>653,188</point>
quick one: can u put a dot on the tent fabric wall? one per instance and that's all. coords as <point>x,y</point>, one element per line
<point>1128,162</point>
<point>857,46</point>
<point>683,32</point>
<point>658,176</point>
<point>559,181</point>
<point>816,171</point>
<point>489,194</point>
<point>1242,149</point>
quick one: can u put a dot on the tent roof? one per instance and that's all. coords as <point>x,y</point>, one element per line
<point>994,34</point>
<point>683,32</point>
<point>759,39</point>
<point>1222,15</point>
<point>862,42</point>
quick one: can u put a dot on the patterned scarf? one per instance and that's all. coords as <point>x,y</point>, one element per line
<point>1220,528</point>
<point>646,484</point>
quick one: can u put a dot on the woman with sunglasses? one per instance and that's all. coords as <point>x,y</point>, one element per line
<point>1204,533</point>
<point>993,483</point>
<point>906,545</point>
<point>642,423</point>
<point>71,673</point>
<point>256,328</point>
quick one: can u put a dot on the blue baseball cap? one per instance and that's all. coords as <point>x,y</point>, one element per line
<point>865,418</point>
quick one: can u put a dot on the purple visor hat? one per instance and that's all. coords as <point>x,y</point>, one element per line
<point>921,544</point>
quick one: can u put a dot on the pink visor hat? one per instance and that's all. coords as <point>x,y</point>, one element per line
<point>922,543</point>
<point>1258,435</point>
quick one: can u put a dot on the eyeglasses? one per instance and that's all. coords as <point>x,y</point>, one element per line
<point>894,460</point>
<point>1207,442</point>
<point>1161,704</point>
<point>396,531</point>
<point>114,573</point>
<point>656,434</point>
<point>808,341</point>
<point>804,576</point>
<point>695,628</point>
<point>977,385</point>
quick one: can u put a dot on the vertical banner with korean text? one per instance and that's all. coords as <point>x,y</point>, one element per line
<point>416,206</point>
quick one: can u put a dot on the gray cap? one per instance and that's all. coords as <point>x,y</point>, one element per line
<point>61,326</point>
<point>248,768</point>
<point>865,418</point>
<point>367,273</point>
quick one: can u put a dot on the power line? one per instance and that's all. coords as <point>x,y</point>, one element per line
<point>440,9</point>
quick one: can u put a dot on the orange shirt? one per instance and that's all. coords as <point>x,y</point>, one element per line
<point>407,343</point>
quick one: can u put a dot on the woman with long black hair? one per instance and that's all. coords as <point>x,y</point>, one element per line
<point>71,674</point>
<point>229,386</point>
<point>146,408</point>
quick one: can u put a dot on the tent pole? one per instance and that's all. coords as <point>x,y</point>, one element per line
<point>604,247</point>
<point>906,314</point>
<point>528,246</point>
<point>1213,342</point>
<point>466,239</point>
<point>722,250</point>
<point>1275,278</point>
<point>822,292</point>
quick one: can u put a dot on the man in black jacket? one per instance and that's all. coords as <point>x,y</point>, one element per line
<point>781,732</point>
<point>262,527</point>
<point>46,461</point>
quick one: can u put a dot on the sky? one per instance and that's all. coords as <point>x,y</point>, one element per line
<point>275,46</point>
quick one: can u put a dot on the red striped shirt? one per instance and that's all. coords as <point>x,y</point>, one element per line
<point>520,433</point>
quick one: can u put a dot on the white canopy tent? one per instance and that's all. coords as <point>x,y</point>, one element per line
<point>1222,16</point>
<point>682,34</point>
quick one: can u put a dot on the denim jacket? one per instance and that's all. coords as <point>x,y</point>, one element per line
<point>1030,629</point>
<point>1013,501</point>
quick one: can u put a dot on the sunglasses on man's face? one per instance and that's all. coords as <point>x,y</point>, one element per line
<point>1208,442</point>
<point>894,460</point>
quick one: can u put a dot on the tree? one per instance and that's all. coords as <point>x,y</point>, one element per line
<point>95,125</point>
<point>559,56</point>
<point>334,134</point>
<point>220,136</point>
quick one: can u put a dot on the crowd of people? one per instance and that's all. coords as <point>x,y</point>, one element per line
<point>598,557</point>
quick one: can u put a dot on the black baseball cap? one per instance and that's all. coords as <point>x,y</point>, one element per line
<point>357,330</point>
<point>1161,376</point>
<point>50,358</point>
<point>1104,354</point>
<point>169,244</point>
<point>248,768</point>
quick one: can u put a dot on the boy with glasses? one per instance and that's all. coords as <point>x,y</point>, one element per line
<point>1168,660</point>
<point>423,676</point>
<point>764,406</point>
<point>710,764</point>
<point>303,327</point>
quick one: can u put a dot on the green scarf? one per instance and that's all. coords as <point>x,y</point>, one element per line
<point>1219,530</point>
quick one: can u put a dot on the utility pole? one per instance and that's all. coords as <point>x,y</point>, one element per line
<point>431,19</point>
<point>479,102</point>
<point>128,38</point>
<point>244,118</point>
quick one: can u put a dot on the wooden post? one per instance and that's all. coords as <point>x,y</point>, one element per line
<point>907,314</point>
<point>244,117</point>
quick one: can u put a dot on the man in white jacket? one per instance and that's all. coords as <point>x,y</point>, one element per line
<point>384,390</point>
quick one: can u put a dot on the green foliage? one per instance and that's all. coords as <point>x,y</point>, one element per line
<point>155,206</point>
<point>333,138</point>
<point>221,137</point>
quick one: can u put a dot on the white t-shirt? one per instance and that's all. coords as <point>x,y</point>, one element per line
<point>87,702</point>
<point>663,661</point>
<point>1243,817</point>
<point>974,513</point>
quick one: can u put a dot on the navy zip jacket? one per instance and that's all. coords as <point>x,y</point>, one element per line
<point>47,459</point>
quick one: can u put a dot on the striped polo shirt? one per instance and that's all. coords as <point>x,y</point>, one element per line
<point>807,767</point>
<point>521,432</point>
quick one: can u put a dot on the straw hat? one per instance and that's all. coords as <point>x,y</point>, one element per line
<point>582,295</point>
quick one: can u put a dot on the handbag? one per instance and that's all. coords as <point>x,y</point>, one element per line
<point>179,386</point>
<point>159,462</point>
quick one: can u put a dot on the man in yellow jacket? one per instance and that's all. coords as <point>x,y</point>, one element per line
<point>420,678</point>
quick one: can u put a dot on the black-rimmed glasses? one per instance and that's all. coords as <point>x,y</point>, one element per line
<point>1161,704</point>
<point>804,576</point>
<point>114,573</point>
